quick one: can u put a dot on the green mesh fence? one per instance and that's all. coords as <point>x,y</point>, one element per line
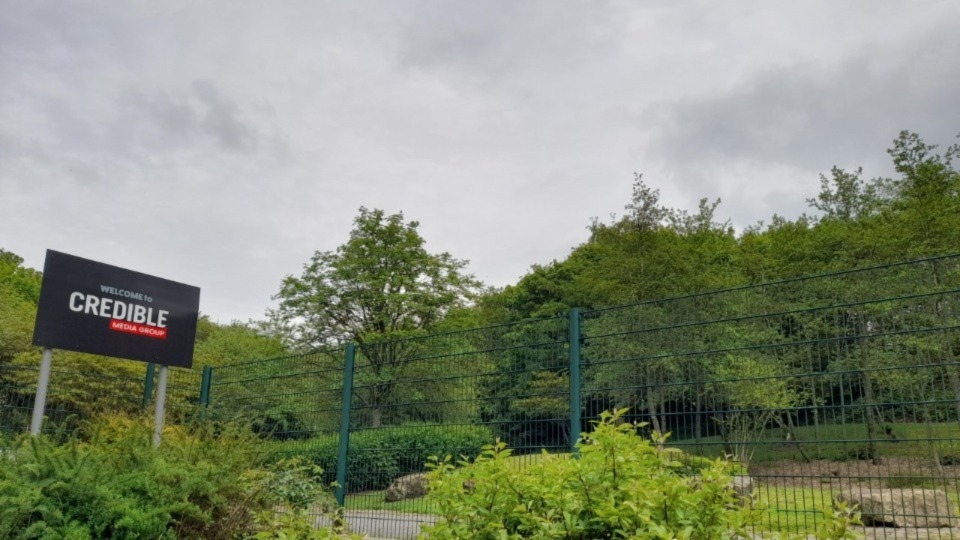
<point>843,384</point>
<point>287,400</point>
<point>838,383</point>
<point>74,394</point>
<point>818,387</point>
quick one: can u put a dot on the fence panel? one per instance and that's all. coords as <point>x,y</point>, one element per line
<point>818,386</point>
<point>450,394</point>
<point>75,394</point>
<point>292,402</point>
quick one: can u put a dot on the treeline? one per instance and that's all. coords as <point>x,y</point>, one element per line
<point>410,313</point>
<point>654,251</point>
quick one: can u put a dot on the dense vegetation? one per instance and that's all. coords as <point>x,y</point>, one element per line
<point>379,456</point>
<point>403,305</point>
<point>620,486</point>
<point>106,480</point>
<point>653,251</point>
<point>383,285</point>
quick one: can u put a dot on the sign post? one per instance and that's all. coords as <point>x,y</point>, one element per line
<point>96,308</point>
<point>43,382</point>
<point>160,405</point>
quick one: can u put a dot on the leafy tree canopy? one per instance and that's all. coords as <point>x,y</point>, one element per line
<point>381,283</point>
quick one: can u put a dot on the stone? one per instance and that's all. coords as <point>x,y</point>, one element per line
<point>410,486</point>
<point>901,507</point>
<point>743,488</point>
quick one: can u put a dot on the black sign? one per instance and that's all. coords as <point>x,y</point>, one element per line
<point>91,307</point>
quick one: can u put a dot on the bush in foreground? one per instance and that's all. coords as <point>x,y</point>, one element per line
<point>622,486</point>
<point>107,481</point>
<point>378,456</point>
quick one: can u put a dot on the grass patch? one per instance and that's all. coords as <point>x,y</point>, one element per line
<point>796,510</point>
<point>374,500</point>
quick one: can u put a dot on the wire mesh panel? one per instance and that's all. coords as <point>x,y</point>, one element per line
<point>293,403</point>
<point>110,386</point>
<point>450,394</point>
<point>842,385</point>
<point>183,395</point>
<point>16,397</point>
<point>286,399</point>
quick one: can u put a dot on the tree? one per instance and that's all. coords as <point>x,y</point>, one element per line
<point>845,196</point>
<point>380,286</point>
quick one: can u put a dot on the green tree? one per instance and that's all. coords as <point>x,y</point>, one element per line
<point>222,344</point>
<point>845,196</point>
<point>379,287</point>
<point>19,294</point>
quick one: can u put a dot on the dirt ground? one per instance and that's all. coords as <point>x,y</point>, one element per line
<point>856,473</point>
<point>831,476</point>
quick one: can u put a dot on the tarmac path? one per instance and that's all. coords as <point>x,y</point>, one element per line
<point>382,524</point>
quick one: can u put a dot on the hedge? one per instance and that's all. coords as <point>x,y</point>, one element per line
<point>377,456</point>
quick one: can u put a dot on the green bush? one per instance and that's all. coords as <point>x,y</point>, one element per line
<point>107,481</point>
<point>378,456</point>
<point>621,486</point>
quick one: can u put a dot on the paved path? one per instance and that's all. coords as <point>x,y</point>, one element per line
<point>387,525</point>
<point>383,524</point>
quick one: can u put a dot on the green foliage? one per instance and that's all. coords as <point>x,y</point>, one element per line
<point>382,282</point>
<point>378,456</point>
<point>621,486</point>
<point>19,294</point>
<point>221,344</point>
<point>86,384</point>
<point>381,285</point>
<point>107,481</point>
<point>838,522</point>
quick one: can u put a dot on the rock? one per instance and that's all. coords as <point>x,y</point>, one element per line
<point>901,507</point>
<point>410,486</point>
<point>743,488</point>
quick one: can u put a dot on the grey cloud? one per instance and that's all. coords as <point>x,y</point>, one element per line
<point>221,143</point>
<point>176,119</point>
<point>811,116</point>
<point>488,41</point>
<point>221,119</point>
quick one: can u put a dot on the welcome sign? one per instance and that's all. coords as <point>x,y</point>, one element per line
<point>96,308</point>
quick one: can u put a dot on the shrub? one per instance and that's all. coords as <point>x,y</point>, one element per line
<point>281,426</point>
<point>621,486</point>
<point>107,481</point>
<point>378,456</point>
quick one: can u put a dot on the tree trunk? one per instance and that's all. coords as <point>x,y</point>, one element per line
<point>697,421</point>
<point>376,417</point>
<point>868,397</point>
<point>652,410</point>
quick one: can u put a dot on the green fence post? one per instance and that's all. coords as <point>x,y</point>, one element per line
<point>575,428</point>
<point>205,390</point>
<point>344,442</point>
<point>148,385</point>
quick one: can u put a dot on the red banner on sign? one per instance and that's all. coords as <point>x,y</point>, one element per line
<point>146,330</point>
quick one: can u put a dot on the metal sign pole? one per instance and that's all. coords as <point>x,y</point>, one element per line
<point>40,402</point>
<point>160,404</point>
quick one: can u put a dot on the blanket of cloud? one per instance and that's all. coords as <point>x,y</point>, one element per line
<point>221,143</point>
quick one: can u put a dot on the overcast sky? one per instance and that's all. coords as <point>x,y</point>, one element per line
<point>221,143</point>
